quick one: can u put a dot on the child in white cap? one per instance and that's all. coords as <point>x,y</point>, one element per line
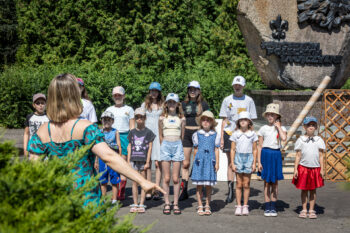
<point>230,108</point>
<point>308,168</point>
<point>171,132</point>
<point>111,136</point>
<point>139,155</point>
<point>123,122</point>
<point>270,157</point>
<point>244,151</point>
<point>35,119</point>
<point>193,106</point>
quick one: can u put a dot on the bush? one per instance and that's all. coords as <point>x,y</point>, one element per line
<point>18,84</point>
<point>38,197</point>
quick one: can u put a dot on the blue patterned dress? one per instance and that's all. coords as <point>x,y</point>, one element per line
<point>203,169</point>
<point>85,170</point>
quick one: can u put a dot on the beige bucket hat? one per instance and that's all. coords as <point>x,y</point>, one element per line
<point>272,108</point>
<point>208,114</point>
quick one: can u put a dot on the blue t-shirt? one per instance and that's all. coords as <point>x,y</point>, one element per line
<point>110,138</point>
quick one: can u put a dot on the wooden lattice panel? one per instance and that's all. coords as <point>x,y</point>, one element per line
<point>336,132</point>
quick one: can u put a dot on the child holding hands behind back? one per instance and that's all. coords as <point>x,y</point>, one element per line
<point>139,155</point>
<point>243,156</point>
<point>308,168</point>
<point>206,162</point>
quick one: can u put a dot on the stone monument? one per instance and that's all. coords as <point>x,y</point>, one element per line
<point>294,44</point>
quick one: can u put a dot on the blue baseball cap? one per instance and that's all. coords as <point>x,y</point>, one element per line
<point>307,120</point>
<point>155,86</point>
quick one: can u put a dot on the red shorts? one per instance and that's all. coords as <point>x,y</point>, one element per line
<point>309,178</point>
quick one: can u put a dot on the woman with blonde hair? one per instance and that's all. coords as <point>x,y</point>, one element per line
<point>65,133</point>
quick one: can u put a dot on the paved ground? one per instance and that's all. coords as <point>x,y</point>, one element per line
<point>333,208</point>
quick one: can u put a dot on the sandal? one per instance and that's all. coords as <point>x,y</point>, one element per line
<point>166,211</point>
<point>141,209</point>
<point>134,208</point>
<point>200,210</point>
<point>207,210</point>
<point>177,210</point>
<point>312,214</point>
<point>303,214</point>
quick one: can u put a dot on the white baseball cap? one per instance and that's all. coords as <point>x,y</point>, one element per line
<point>238,80</point>
<point>140,111</point>
<point>118,90</point>
<point>107,114</point>
<point>172,96</point>
<point>194,84</point>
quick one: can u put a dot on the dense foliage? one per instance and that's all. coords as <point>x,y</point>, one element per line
<point>38,197</point>
<point>19,84</point>
<point>152,34</point>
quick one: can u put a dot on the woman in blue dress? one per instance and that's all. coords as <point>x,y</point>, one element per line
<point>65,133</point>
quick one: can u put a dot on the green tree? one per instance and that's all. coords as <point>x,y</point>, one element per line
<point>39,197</point>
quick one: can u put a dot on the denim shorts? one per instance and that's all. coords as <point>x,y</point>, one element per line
<point>172,151</point>
<point>244,162</point>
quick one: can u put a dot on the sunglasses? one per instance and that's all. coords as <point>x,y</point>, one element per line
<point>40,103</point>
<point>139,117</point>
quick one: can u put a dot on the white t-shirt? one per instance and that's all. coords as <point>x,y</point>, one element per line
<point>89,112</point>
<point>310,149</point>
<point>232,106</point>
<point>244,141</point>
<point>269,133</point>
<point>122,116</point>
<point>34,121</point>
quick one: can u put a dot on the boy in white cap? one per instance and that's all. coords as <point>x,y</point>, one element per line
<point>123,122</point>
<point>231,106</point>
<point>35,119</point>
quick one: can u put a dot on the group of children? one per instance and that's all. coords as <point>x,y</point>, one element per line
<point>165,131</point>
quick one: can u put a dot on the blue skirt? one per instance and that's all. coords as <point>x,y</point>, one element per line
<point>271,161</point>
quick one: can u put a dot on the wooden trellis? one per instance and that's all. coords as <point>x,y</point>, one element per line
<point>336,132</point>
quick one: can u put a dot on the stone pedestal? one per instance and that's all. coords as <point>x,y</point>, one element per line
<point>291,103</point>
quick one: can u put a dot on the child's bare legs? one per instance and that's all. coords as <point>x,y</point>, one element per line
<point>208,197</point>
<point>166,180</point>
<point>143,193</point>
<point>114,191</point>
<point>199,193</point>
<point>135,192</point>
<point>158,172</point>
<point>239,186</point>
<point>176,174</point>
<point>274,191</point>
<point>230,173</point>
<point>246,188</point>
<point>304,199</point>
<point>104,189</point>
<point>312,199</point>
<point>267,192</point>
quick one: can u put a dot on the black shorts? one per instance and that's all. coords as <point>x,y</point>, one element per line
<point>227,143</point>
<point>187,142</point>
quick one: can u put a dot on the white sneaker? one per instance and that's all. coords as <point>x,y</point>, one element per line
<point>238,211</point>
<point>267,213</point>
<point>114,202</point>
<point>245,210</point>
<point>273,213</point>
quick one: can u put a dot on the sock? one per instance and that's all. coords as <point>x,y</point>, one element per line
<point>267,206</point>
<point>273,205</point>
